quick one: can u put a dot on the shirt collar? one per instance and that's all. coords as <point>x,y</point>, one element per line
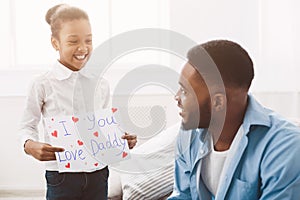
<point>255,114</point>
<point>61,72</point>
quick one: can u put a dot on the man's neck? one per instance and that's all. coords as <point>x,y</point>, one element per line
<point>224,141</point>
<point>234,119</point>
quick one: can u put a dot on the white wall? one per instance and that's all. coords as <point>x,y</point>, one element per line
<point>18,171</point>
<point>267,29</point>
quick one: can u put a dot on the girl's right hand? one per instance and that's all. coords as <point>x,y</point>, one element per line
<point>41,151</point>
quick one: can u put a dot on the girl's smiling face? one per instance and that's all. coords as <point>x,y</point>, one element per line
<point>74,43</point>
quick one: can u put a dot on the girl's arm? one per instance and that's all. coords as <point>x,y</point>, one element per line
<point>28,128</point>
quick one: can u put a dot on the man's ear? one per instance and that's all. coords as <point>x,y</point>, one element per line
<point>219,101</point>
<point>55,43</point>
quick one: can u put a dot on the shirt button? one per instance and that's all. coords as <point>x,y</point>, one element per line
<point>201,151</point>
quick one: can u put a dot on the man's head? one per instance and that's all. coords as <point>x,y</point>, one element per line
<point>214,72</point>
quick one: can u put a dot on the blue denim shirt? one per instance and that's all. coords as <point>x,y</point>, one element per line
<point>266,165</point>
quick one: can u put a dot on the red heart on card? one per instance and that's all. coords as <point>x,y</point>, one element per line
<point>68,165</point>
<point>96,134</point>
<point>114,109</point>
<point>124,154</point>
<point>79,142</point>
<point>75,119</point>
<point>96,164</point>
<point>54,133</point>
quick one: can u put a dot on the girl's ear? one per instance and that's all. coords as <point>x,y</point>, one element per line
<point>219,101</point>
<point>55,43</point>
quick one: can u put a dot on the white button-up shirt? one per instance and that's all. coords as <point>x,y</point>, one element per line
<point>61,92</point>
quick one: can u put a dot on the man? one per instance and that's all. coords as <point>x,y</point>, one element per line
<point>231,147</point>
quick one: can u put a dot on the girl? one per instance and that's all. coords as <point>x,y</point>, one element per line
<point>52,94</point>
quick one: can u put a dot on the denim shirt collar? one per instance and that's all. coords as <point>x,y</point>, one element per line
<point>255,114</point>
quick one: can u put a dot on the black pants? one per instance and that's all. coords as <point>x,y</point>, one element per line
<point>77,186</point>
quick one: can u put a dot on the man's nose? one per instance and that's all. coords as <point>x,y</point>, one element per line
<point>177,97</point>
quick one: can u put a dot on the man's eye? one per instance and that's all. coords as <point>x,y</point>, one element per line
<point>182,91</point>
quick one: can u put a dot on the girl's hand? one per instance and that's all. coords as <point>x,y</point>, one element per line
<point>41,151</point>
<point>131,139</point>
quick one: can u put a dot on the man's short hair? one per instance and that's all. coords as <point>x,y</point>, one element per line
<point>232,61</point>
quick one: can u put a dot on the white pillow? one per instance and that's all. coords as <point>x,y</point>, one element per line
<point>159,141</point>
<point>149,172</point>
<point>150,185</point>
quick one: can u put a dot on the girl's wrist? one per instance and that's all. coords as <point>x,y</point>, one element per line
<point>26,145</point>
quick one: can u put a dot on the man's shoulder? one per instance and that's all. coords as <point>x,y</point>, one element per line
<point>282,133</point>
<point>280,124</point>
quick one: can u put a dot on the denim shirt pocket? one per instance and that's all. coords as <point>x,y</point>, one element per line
<point>242,190</point>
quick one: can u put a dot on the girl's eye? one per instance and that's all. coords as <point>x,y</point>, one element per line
<point>73,42</point>
<point>88,41</point>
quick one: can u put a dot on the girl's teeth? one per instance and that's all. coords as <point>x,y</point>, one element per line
<point>80,57</point>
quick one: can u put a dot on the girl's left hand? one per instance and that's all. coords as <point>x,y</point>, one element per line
<point>131,139</point>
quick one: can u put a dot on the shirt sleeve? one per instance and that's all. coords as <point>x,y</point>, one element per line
<point>181,188</point>
<point>280,169</point>
<point>28,126</point>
